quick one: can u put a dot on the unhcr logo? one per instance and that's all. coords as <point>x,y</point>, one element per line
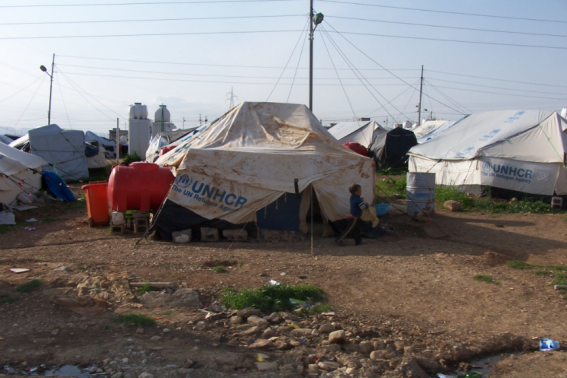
<point>207,194</point>
<point>184,181</point>
<point>507,172</point>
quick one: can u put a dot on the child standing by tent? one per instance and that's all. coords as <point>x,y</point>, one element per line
<point>357,204</point>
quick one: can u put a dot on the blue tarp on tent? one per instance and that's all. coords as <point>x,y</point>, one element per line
<point>58,187</point>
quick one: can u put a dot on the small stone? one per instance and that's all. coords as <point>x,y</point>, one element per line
<point>63,269</point>
<point>313,370</point>
<point>379,345</point>
<point>261,344</point>
<point>301,332</point>
<point>166,330</point>
<point>274,318</point>
<point>55,332</point>
<point>253,331</point>
<point>269,333</point>
<point>236,320</point>
<point>334,348</point>
<point>144,361</point>
<point>155,338</point>
<point>399,345</point>
<point>146,375</point>
<point>378,355</point>
<point>257,321</point>
<point>117,375</point>
<point>409,350</point>
<point>327,328</point>
<point>452,205</point>
<point>184,371</point>
<point>337,337</point>
<point>350,371</point>
<point>140,330</point>
<point>366,347</point>
<point>247,312</point>
<point>266,366</point>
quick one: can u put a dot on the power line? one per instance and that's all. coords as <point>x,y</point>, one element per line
<point>448,98</point>
<point>499,93</point>
<point>147,20</point>
<point>27,106</point>
<point>445,12</point>
<point>490,86</point>
<point>448,27</point>
<point>296,69</point>
<point>208,75</point>
<point>149,34</point>
<point>493,78</point>
<point>140,3</point>
<point>23,89</point>
<point>219,65</point>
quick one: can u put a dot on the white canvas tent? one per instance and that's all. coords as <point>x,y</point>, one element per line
<point>362,132</point>
<point>426,128</point>
<point>16,175</point>
<point>5,140</point>
<point>521,150</point>
<point>63,150</point>
<point>254,155</point>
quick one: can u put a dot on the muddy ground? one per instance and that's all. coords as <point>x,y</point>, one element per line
<point>407,302</point>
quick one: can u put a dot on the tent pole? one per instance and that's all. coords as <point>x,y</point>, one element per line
<point>311,31</point>
<point>420,93</point>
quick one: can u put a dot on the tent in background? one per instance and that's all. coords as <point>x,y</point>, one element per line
<point>422,131</point>
<point>362,132</point>
<point>16,173</point>
<point>163,139</point>
<point>390,149</point>
<point>255,155</point>
<point>521,150</point>
<point>63,150</point>
<point>109,145</point>
<point>5,140</point>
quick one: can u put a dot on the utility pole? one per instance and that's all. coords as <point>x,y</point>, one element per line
<point>200,121</point>
<point>183,123</point>
<point>231,98</point>
<point>420,93</point>
<point>313,22</point>
<point>42,67</point>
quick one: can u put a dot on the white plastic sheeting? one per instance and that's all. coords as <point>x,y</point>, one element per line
<point>252,156</point>
<point>518,150</point>
<point>427,128</point>
<point>5,140</point>
<point>16,165</point>
<point>362,132</point>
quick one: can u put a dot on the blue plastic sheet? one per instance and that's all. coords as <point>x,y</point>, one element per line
<point>58,187</point>
<point>382,209</point>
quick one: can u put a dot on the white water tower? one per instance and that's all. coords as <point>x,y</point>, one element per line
<point>162,121</point>
<point>139,129</point>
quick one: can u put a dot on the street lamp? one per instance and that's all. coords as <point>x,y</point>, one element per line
<point>42,68</point>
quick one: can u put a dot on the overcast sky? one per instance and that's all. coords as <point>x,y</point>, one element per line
<point>191,64</point>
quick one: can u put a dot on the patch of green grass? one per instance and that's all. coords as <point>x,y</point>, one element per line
<point>106,327</point>
<point>131,158</point>
<point>145,288</point>
<point>8,299</point>
<point>49,219</point>
<point>486,278</point>
<point>315,310</point>
<point>28,287</point>
<point>560,279</point>
<point>135,320</point>
<point>77,205</point>
<point>561,268</point>
<point>6,228</point>
<point>542,272</point>
<point>446,193</point>
<point>270,298</point>
<point>219,269</point>
<point>167,313</point>
<point>82,267</point>
<point>515,264</point>
<point>393,171</point>
<point>390,186</point>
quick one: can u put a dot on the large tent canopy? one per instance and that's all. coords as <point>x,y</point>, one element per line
<point>522,150</point>
<point>63,150</point>
<point>16,175</point>
<point>362,132</point>
<point>423,131</point>
<point>251,157</point>
<point>390,149</point>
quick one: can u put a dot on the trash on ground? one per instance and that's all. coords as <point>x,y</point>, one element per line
<point>29,228</point>
<point>470,375</point>
<point>274,283</point>
<point>546,345</point>
<point>19,270</point>
<point>31,220</point>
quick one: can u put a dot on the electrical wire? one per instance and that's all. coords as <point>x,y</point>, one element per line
<point>140,3</point>
<point>446,27</point>
<point>499,93</point>
<point>26,108</point>
<point>405,90</point>
<point>448,98</point>
<point>149,20</point>
<point>492,87</point>
<point>496,79</point>
<point>64,105</point>
<point>296,69</point>
<point>445,12</point>
<point>381,66</point>
<point>24,88</point>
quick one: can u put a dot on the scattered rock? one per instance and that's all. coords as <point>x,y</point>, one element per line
<point>140,330</point>
<point>269,333</point>
<point>236,320</point>
<point>63,269</point>
<point>327,328</point>
<point>155,338</point>
<point>247,312</point>
<point>166,330</point>
<point>257,321</point>
<point>55,332</point>
<point>261,344</point>
<point>146,375</point>
<point>379,345</point>
<point>266,366</point>
<point>366,347</point>
<point>301,332</point>
<point>378,355</point>
<point>452,205</point>
<point>253,331</point>
<point>274,318</point>
<point>181,298</point>
<point>350,371</point>
<point>313,370</point>
<point>337,337</point>
<point>399,345</point>
<point>334,348</point>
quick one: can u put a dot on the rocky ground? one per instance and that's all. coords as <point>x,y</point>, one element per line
<point>405,305</point>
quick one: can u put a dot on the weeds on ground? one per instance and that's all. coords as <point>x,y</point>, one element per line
<point>82,267</point>
<point>560,279</point>
<point>6,228</point>
<point>135,320</point>
<point>315,310</point>
<point>49,219</point>
<point>390,185</point>
<point>485,278</point>
<point>145,288</point>
<point>6,298</point>
<point>270,298</point>
<point>515,264</point>
<point>131,158</point>
<point>219,269</point>
<point>542,272</point>
<point>28,287</point>
<point>167,313</point>
<point>106,327</point>
<point>77,205</point>
<point>445,193</point>
<point>393,171</point>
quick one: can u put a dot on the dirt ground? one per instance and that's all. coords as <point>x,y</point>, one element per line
<point>413,290</point>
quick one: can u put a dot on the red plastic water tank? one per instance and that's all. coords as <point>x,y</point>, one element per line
<point>356,147</point>
<point>140,186</point>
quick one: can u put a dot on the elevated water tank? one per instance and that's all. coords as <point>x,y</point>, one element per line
<point>162,114</point>
<point>138,111</point>
<point>140,186</point>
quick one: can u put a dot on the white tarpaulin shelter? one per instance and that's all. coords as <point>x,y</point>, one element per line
<point>426,128</point>
<point>362,132</point>
<point>15,173</point>
<point>5,139</point>
<point>63,150</point>
<point>253,155</point>
<point>522,150</point>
